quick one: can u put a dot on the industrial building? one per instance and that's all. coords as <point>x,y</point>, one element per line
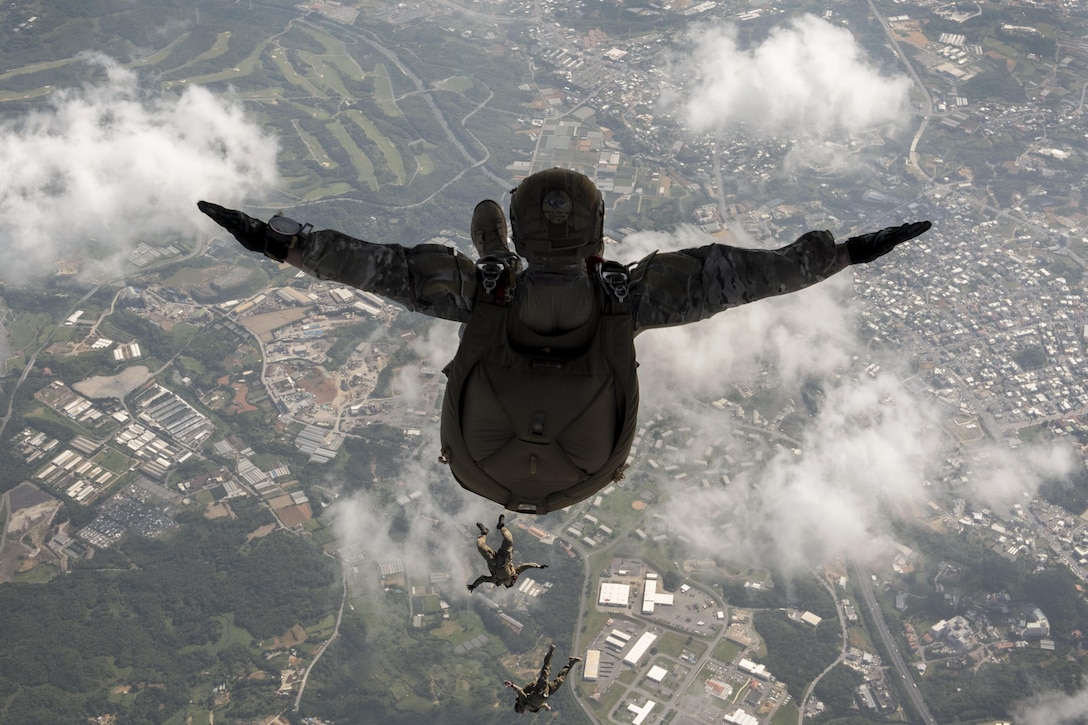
<point>639,649</point>
<point>651,597</point>
<point>592,666</point>
<point>614,594</point>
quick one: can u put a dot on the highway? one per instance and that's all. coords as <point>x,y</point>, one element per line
<point>909,685</point>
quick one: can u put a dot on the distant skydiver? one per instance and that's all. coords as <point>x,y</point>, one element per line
<point>534,696</point>
<point>541,399</point>
<point>500,563</point>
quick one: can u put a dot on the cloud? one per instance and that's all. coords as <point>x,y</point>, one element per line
<point>808,76</point>
<point>1053,708</point>
<point>1000,477</point>
<point>436,534</point>
<point>868,456</point>
<point>108,165</point>
<point>805,334</point>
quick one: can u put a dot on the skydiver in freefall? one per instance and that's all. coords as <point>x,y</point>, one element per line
<point>534,696</point>
<point>542,395</point>
<point>500,564</point>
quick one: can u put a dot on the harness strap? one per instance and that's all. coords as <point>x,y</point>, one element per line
<point>497,275</point>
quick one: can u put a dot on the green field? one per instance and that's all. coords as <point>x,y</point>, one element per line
<point>393,158</point>
<point>112,459</point>
<point>27,330</point>
<point>785,715</point>
<point>608,701</point>
<point>363,166</point>
<point>322,73</point>
<point>251,63</point>
<point>726,651</point>
<point>323,629</point>
<point>228,635</point>
<point>287,70</point>
<point>160,55</point>
<point>383,92</point>
<point>40,574</point>
<point>317,152</point>
<point>222,43</point>
<point>673,644</point>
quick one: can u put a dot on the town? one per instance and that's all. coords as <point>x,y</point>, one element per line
<point>982,320</point>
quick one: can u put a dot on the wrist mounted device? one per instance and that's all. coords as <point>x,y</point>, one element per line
<point>282,234</point>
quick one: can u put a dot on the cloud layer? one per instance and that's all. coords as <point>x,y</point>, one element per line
<point>1054,708</point>
<point>808,77</point>
<point>866,455</point>
<point>106,166</point>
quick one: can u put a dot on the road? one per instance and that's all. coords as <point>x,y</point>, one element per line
<point>326,643</point>
<point>927,113</point>
<point>842,654</point>
<point>891,647</point>
<point>631,691</point>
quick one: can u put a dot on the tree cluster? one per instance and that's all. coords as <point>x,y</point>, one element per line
<point>154,606</point>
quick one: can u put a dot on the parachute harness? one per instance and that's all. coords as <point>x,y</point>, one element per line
<point>497,275</point>
<point>615,278</point>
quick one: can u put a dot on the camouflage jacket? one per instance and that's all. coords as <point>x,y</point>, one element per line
<point>667,288</point>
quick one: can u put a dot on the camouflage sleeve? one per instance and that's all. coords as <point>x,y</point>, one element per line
<point>675,288</point>
<point>528,565</point>
<point>432,279</point>
<point>482,579</point>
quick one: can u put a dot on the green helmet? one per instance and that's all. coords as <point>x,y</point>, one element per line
<point>557,216</point>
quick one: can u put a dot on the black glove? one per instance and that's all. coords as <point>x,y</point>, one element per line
<point>543,566</point>
<point>249,232</point>
<point>864,248</point>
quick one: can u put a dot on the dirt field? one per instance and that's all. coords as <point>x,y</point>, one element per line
<point>217,511</point>
<point>239,405</point>
<point>115,386</point>
<point>32,524</point>
<point>324,389</point>
<point>280,502</point>
<point>263,531</point>
<point>294,636</point>
<point>263,324</point>
<point>292,516</point>
<point>912,33</point>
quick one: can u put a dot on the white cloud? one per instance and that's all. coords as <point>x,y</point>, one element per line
<point>863,460</point>
<point>1053,708</point>
<point>108,165</point>
<point>1000,476</point>
<point>860,463</point>
<point>808,76</point>
<point>805,334</point>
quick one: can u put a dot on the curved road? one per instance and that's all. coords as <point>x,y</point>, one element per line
<point>326,643</point>
<point>837,660</point>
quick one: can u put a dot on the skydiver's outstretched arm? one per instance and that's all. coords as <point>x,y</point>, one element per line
<point>429,278</point>
<point>433,279</point>
<point>520,692</point>
<point>482,579</point>
<point>528,565</point>
<point>675,288</point>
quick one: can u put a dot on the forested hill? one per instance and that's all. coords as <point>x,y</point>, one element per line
<point>155,615</point>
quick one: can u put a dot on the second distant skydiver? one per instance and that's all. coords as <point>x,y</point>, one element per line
<point>500,563</point>
<point>534,696</point>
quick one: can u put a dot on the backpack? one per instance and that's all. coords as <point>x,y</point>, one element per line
<point>546,425</point>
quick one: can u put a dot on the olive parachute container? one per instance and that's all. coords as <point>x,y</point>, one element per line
<point>541,426</point>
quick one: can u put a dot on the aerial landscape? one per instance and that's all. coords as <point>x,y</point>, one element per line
<point>223,494</point>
